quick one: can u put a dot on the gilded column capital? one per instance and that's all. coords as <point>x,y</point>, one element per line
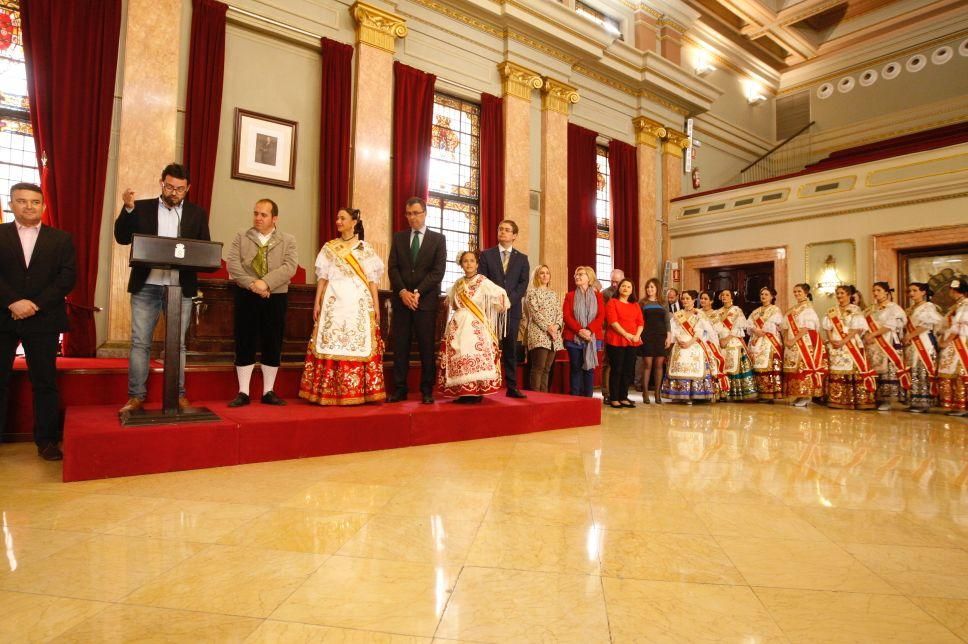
<point>675,143</point>
<point>647,131</point>
<point>517,80</point>
<point>377,27</point>
<point>557,96</point>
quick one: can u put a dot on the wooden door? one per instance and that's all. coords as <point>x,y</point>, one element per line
<point>744,280</point>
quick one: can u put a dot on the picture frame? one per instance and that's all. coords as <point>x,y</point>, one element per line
<point>264,149</point>
<point>843,255</point>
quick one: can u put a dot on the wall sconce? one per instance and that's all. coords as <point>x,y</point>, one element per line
<point>703,65</point>
<point>754,93</point>
<point>829,279</point>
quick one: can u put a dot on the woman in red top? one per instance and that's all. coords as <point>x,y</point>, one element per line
<point>584,312</point>
<point>623,334</point>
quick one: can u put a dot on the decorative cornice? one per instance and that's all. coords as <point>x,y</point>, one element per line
<point>557,96</point>
<point>659,100</point>
<point>518,81</point>
<point>376,27</point>
<point>554,52</point>
<point>605,80</point>
<point>460,16</point>
<point>649,10</point>
<point>675,143</point>
<point>647,131</point>
<point>666,21</point>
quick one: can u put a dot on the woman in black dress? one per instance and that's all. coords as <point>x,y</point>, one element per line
<point>656,338</point>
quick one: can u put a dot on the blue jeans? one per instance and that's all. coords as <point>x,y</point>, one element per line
<point>582,380</point>
<point>146,306</point>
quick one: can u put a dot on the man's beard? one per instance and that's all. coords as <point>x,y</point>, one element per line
<point>172,201</point>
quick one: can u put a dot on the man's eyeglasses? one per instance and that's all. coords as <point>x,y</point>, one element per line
<point>178,191</point>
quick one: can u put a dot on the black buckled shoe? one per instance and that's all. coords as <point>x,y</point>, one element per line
<point>240,400</point>
<point>271,398</point>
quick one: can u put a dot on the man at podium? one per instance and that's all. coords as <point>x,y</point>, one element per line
<point>168,215</point>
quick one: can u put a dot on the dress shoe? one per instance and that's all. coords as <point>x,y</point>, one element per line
<point>133,404</point>
<point>50,452</point>
<point>397,396</point>
<point>183,402</point>
<point>270,398</point>
<point>240,400</point>
<point>515,393</point>
<point>427,399</point>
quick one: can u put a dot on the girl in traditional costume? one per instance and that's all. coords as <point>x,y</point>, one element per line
<point>852,383</point>
<point>470,354</point>
<point>953,361</point>
<point>924,322</point>
<point>732,341</point>
<point>886,321</point>
<point>344,361</point>
<point>766,346</point>
<point>691,375</point>
<point>804,358</point>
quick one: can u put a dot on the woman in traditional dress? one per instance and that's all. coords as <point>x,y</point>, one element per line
<point>924,322</point>
<point>852,383</point>
<point>691,375</point>
<point>584,314</point>
<point>886,321</point>
<point>804,358</point>
<point>732,341</point>
<point>543,334</point>
<point>470,355</point>
<point>344,361</point>
<point>953,361</point>
<point>623,335</point>
<point>766,346</point>
<point>707,305</point>
<point>656,339</point>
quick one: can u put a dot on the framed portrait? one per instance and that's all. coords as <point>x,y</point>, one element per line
<point>264,149</point>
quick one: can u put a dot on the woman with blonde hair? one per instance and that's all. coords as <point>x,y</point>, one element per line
<point>543,327</point>
<point>583,311</point>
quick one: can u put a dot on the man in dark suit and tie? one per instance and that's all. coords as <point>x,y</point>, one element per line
<point>168,215</point>
<point>418,259</point>
<point>36,273</point>
<point>508,267</point>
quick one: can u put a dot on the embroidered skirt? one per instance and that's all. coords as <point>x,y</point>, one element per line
<point>847,391</point>
<point>741,384</point>
<point>326,381</point>
<point>769,382</point>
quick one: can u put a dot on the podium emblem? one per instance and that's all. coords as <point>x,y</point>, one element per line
<point>180,251</point>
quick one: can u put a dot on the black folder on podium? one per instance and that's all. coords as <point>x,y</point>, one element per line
<point>174,253</point>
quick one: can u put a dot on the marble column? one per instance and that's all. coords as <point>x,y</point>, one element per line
<point>147,136</point>
<point>376,34</point>
<point>674,143</point>
<point>556,99</point>
<point>647,136</point>
<point>517,85</point>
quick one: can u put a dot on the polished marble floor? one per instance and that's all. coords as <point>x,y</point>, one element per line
<point>735,523</point>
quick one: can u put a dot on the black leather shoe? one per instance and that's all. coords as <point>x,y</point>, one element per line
<point>272,399</point>
<point>50,452</point>
<point>515,393</point>
<point>397,396</point>
<point>240,400</point>
<point>427,399</point>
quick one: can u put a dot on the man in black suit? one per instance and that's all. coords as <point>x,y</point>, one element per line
<point>508,267</point>
<point>169,215</point>
<point>36,273</point>
<point>418,259</point>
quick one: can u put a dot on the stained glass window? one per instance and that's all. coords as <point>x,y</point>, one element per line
<point>603,217</point>
<point>18,159</point>
<point>454,204</point>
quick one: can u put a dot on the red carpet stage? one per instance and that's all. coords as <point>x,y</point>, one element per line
<point>96,446</point>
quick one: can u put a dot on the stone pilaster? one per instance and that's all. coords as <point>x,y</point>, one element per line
<point>518,83</point>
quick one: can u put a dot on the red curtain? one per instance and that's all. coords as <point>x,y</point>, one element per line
<point>334,137</point>
<point>413,113</point>
<point>582,179</point>
<point>72,55</point>
<point>492,168</point>
<point>623,169</point>
<point>203,109</point>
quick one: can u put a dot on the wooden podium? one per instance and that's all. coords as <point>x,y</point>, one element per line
<point>173,253</point>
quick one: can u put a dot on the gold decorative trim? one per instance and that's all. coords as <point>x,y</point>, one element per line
<point>605,80</point>
<point>802,193</point>
<point>557,96</point>
<point>554,52</point>
<point>649,10</point>
<point>869,180</point>
<point>659,100</point>
<point>676,143</point>
<point>665,21</point>
<point>376,27</point>
<point>488,28</point>
<point>517,80</point>
<point>647,131</point>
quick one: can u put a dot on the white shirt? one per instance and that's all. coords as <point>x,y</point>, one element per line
<point>169,223</point>
<point>28,239</point>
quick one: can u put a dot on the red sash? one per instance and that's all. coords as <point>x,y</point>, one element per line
<point>729,327</point>
<point>903,373</point>
<point>929,365</point>
<point>814,362</point>
<point>860,360</point>
<point>772,338</point>
<point>960,347</point>
<point>713,354</point>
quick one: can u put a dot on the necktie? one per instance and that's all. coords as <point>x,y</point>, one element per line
<point>415,246</point>
<point>504,260</point>
<point>260,263</point>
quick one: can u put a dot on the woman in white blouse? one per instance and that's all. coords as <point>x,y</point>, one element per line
<point>924,322</point>
<point>851,383</point>
<point>732,340</point>
<point>886,321</point>
<point>804,358</point>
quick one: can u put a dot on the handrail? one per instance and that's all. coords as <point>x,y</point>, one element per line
<point>779,145</point>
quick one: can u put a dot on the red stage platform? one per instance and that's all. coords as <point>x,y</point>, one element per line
<point>96,446</point>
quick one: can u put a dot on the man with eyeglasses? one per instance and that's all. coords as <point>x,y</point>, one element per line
<point>169,215</point>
